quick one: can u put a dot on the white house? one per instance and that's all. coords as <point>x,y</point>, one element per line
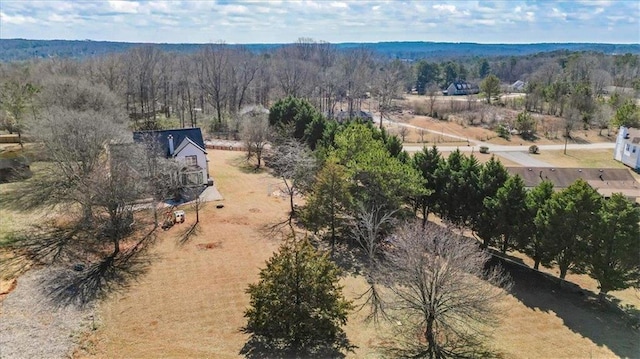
<point>627,148</point>
<point>461,88</point>
<point>518,86</point>
<point>186,146</point>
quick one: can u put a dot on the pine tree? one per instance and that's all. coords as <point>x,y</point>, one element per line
<point>297,308</point>
<point>613,253</point>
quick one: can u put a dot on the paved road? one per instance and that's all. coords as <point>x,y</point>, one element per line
<point>515,153</point>
<point>515,148</point>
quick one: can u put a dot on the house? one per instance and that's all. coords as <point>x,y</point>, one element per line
<point>345,116</point>
<point>604,180</point>
<point>518,86</point>
<point>186,146</point>
<point>627,149</point>
<point>461,88</point>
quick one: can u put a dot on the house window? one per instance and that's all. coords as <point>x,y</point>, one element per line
<point>634,149</point>
<point>191,160</point>
<point>191,178</point>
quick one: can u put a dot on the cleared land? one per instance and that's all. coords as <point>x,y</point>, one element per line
<point>191,301</point>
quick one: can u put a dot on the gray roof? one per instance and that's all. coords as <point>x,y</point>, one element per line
<point>193,134</point>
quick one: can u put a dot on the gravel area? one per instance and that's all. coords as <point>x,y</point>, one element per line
<point>32,326</point>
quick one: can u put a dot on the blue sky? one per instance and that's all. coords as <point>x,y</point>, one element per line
<point>284,21</point>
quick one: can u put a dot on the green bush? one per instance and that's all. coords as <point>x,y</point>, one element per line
<point>503,132</point>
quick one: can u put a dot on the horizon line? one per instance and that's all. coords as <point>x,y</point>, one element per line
<point>333,43</point>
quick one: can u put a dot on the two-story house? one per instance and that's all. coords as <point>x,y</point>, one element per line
<point>184,145</point>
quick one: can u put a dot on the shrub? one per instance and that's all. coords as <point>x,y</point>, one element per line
<point>503,132</point>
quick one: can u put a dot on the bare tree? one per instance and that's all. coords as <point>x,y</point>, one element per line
<point>214,76</point>
<point>432,95</point>
<point>294,163</point>
<point>440,292</point>
<point>602,117</point>
<point>403,131</point>
<point>369,226</point>
<point>387,86</point>
<point>254,132</point>
<point>571,119</point>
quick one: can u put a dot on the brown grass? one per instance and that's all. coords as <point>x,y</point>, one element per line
<point>191,302</point>
<point>580,158</point>
<point>458,123</point>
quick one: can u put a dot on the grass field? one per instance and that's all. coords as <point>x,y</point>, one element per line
<point>190,303</point>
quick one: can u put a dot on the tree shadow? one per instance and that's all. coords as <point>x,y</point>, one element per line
<point>82,285</point>
<point>189,233</point>
<point>81,273</point>
<point>348,257</point>
<point>580,310</point>
<point>258,347</point>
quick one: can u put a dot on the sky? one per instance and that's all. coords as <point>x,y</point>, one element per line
<point>286,21</point>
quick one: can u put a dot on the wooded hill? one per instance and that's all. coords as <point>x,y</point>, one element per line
<point>22,49</point>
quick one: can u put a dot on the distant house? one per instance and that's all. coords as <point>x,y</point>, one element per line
<point>344,116</point>
<point>518,86</point>
<point>606,181</point>
<point>458,88</point>
<point>186,146</point>
<point>627,149</point>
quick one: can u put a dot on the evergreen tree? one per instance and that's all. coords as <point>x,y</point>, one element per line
<point>490,86</point>
<point>329,200</point>
<point>293,115</point>
<point>427,162</point>
<point>533,241</point>
<point>570,218</point>
<point>510,212</point>
<point>613,253</point>
<point>493,175</point>
<point>297,308</point>
<point>484,69</point>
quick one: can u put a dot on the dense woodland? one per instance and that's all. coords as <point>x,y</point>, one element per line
<point>362,190</point>
<point>21,49</point>
<point>208,88</point>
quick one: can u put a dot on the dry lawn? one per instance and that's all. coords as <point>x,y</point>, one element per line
<point>190,303</point>
<point>580,158</point>
<point>459,125</point>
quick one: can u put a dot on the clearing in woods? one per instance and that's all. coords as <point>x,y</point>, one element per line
<point>191,301</point>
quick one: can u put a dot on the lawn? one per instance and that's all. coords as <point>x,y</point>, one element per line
<point>191,301</point>
<point>580,158</point>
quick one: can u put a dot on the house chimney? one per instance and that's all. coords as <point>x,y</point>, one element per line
<point>170,138</point>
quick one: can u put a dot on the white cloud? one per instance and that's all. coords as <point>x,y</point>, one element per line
<point>250,21</point>
<point>445,8</point>
<point>558,14</point>
<point>130,7</point>
<point>16,19</point>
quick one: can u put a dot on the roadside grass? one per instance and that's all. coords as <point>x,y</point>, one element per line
<point>580,158</point>
<point>191,301</point>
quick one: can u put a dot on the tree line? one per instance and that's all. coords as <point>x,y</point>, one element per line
<point>363,192</point>
<point>209,87</point>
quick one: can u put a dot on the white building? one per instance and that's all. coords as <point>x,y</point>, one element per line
<point>627,148</point>
<point>186,146</point>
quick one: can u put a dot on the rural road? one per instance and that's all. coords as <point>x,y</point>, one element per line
<point>515,153</point>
